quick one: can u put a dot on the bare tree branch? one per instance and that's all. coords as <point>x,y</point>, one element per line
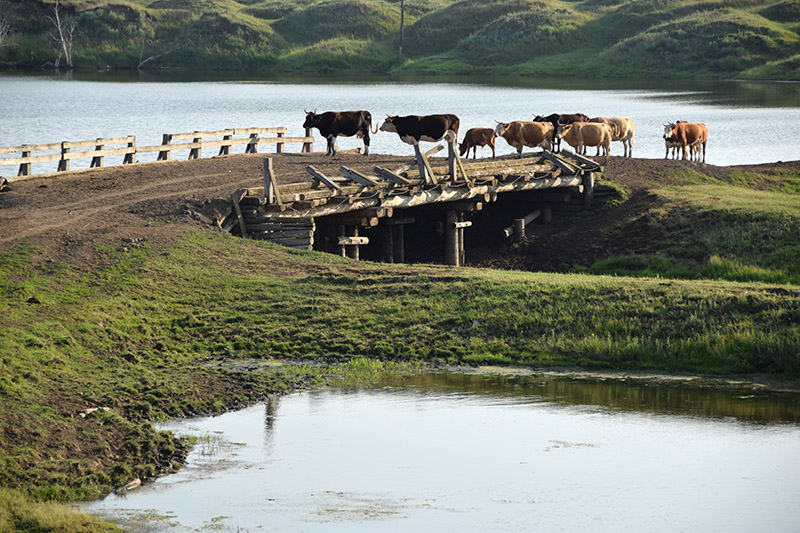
<point>66,34</point>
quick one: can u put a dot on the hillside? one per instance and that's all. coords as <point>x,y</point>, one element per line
<point>665,38</point>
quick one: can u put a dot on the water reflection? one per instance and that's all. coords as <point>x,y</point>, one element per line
<point>459,452</point>
<point>662,398</point>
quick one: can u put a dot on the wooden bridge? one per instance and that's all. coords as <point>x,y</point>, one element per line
<point>332,213</point>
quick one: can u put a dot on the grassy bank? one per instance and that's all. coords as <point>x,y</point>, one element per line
<point>622,38</point>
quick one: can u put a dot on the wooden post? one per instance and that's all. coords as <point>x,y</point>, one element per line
<point>97,161</point>
<point>235,199</point>
<point>352,250</point>
<point>308,146</point>
<point>451,252</point>
<point>24,168</point>
<point>547,213</point>
<point>63,164</point>
<point>425,171</point>
<point>195,153</point>
<point>588,189</point>
<point>270,185</point>
<point>129,158</point>
<point>279,144</point>
<point>340,232</point>
<point>225,149</point>
<point>519,229</point>
<point>451,160</point>
<point>399,245</point>
<point>460,228</point>
<point>252,146</point>
<point>387,243</point>
<point>164,154</point>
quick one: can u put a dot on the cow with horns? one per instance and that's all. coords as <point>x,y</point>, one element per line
<point>430,128</point>
<point>333,124</point>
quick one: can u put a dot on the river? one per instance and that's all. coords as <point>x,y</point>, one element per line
<point>749,122</point>
<point>484,452</point>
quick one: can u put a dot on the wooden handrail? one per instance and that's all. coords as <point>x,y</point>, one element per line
<point>99,150</point>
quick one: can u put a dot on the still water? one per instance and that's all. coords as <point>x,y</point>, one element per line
<point>749,122</point>
<point>459,452</point>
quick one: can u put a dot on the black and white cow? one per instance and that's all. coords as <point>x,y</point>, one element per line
<point>332,124</point>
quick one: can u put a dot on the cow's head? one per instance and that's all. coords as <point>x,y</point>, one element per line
<point>311,119</point>
<point>562,130</point>
<point>388,124</point>
<point>501,128</point>
<point>668,129</point>
<point>539,118</point>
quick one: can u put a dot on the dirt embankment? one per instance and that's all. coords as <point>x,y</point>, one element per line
<point>66,215</point>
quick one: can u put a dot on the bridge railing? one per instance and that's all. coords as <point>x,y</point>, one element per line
<point>26,155</point>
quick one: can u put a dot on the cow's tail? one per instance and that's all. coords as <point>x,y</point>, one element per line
<point>369,124</point>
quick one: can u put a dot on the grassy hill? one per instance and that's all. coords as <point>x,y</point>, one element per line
<point>687,38</point>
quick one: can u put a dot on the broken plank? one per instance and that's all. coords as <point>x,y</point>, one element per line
<point>322,178</point>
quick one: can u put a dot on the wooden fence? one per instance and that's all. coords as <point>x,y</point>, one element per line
<point>195,142</point>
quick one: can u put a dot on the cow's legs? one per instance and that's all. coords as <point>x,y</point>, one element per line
<point>331,145</point>
<point>366,141</point>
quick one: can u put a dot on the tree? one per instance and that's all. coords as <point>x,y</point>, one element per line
<point>66,33</point>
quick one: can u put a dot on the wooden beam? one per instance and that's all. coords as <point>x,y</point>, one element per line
<point>395,178</point>
<point>235,199</point>
<point>271,192</point>
<point>353,241</point>
<point>560,163</point>
<point>409,166</point>
<point>322,178</point>
<point>425,170</point>
<point>357,177</point>
<point>464,224</point>
<point>509,230</point>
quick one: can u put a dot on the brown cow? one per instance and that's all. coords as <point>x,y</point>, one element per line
<point>477,137</point>
<point>560,118</point>
<point>623,130</point>
<point>522,133</point>
<point>580,134</point>
<point>687,134</point>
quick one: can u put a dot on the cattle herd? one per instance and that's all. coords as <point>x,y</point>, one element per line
<point>576,129</point>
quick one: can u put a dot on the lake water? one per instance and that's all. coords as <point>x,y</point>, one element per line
<point>474,452</point>
<point>749,122</point>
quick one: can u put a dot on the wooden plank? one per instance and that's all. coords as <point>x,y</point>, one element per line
<point>99,153</point>
<point>95,142</point>
<point>30,148</point>
<point>280,234</point>
<point>560,163</point>
<point>235,198</point>
<point>357,177</point>
<point>395,178</point>
<point>280,220</point>
<point>425,170</point>
<point>194,135</point>
<point>30,159</point>
<point>250,131</point>
<point>275,226</point>
<point>587,163</point>
<point>464,224</point>
<point>322,178</point>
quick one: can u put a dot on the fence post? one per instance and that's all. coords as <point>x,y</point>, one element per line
<point>225,149</point>
<point>24,168</point>
<point>130,158</point>
<point>63,164</point>
<point>252,146</point>
<point>97,161</point>
<point>308,146</point>
<point>164,154</point>
<point>195,153</point>
<point>279,144</point>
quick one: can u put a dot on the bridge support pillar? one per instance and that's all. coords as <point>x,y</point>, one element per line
<point>387,243</point>
<point>588,189</point>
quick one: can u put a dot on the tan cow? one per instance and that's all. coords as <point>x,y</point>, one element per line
<point>623,130</point>
<point>522,133</point>
<point>580,134</point>
<point>687,135</point>
<point>477,137</point>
